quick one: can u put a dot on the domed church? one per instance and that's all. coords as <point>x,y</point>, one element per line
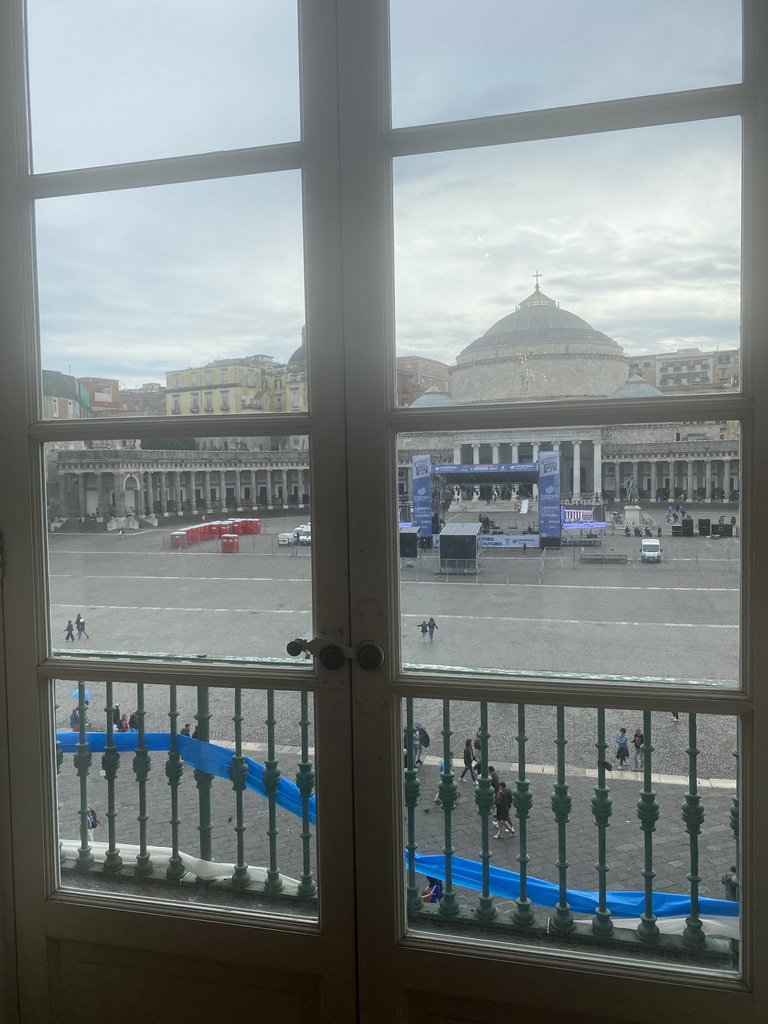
<point>540,351</point>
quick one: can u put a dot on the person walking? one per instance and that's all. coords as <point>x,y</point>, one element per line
<point>469,762</point>
<point>116,716</point>
<point>70,633</point>
<point>637,750</point>
<point>730,883</point>
<point>133,722</point>
<point>431,626</point>
<point>622,747</point>
<point>424,628</point>
<point>503,804</point>
<point>80,626</point>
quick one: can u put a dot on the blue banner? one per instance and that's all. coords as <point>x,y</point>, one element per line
<point>549,496</point>
<point>422,494</point>
<point>469,875</point>
<point>208,757</point>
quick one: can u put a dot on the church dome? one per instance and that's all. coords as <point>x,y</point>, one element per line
<point>539,321</point>
<point>636,387</point>
<point>432,397</point>
<point>537,353</point>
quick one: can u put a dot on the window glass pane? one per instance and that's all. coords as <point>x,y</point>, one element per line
<point>558,269</point>
<point>587,850</point>
<point>144,291</point>
<point>185,548</point>
<point>597,551</point>
<point>453,60</point>
<point>113,83</point>
<point>168,752</point>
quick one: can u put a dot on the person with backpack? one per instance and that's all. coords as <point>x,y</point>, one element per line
<point>503,805</point>
<point>92,822</point>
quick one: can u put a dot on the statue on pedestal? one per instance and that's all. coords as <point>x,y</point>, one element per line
<point>633,495</point>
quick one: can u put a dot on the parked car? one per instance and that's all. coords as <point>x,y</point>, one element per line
<point>285,538</point>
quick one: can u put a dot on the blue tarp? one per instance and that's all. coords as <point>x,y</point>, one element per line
<point>208,757</point>
<point>506,883</point>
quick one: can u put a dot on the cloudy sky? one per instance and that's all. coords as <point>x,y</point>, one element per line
<point>637,232</point>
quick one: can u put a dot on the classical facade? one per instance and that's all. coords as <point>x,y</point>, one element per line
<point>170,483</point>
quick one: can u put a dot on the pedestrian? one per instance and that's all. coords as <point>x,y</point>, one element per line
<point>431,626</point>
<point>503,804</point>
<point>622,747</point>
<point>124,724</point>
<point>637,752</point>
<point>675,716</point>
<point>433,892</point>
<point>91,822</point>
<point>116,716</point>
<point>525,549</point>
<point>730,882</point>
<point>494,775</point>
<point>468,763</point>
<point>186,730</point>
<point>122,533</point>
<point>423,741</point>
<point>70,633</point>
<point>133,722</point>
<point>424,628</point>
<point>74,720</point>
<point>477,747</point>
<point>80,626</point>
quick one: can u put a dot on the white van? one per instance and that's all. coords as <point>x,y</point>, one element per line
<point>650,550</point>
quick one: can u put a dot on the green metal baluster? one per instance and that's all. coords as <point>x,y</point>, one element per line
<point>110,763</point>
<point>486,911</point>
<point>735,816</point>
<point>561,807</point>
<point>412,788</point>
<point>693,816</point>
<point>648,813</point>
<point>522,799</point>
<point>142,765</point>
<point>305,780</point>
<point>203,780</point>
<point>274,882</point>
<point>447,791</point>
<point>174,770</point>
<point>59,763</point>
<point>82,762</point>
<point>238,772</point>
<point>602,808</point>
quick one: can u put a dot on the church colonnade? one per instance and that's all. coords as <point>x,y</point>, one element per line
<point>587,469</point>
<point>123,491</point>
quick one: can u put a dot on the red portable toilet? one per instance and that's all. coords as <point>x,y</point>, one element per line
<point>177,539</point>
<point>230,542</point>
<point>236,526</point>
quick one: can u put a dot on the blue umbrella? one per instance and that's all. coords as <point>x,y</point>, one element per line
<point>76,693</point>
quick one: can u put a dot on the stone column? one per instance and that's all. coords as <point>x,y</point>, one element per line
<point>238,490</point>
<point>515,452</point>
<point>82,501</point>
<point>457,455</point>
<point>252,480</point>
<point>576,468</point>
<point>495,454</point>
<point>163,493</point>
<point>535,451</point>
<point>597,468</point>
<point>555,446</point>
<point>284,481</point>
<point>690,480</point>
<point>119,494</point>
<point>475,454</point>
<point>708,480</point>
<point>727,478</point>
